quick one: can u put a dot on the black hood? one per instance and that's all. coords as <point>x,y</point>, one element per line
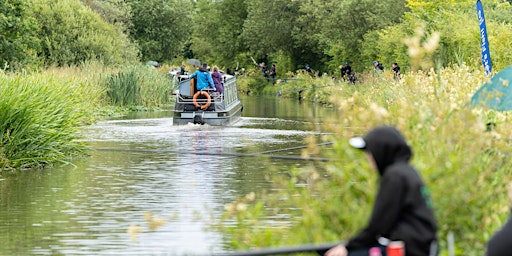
<point>387,146</point>
<point>203,69</point>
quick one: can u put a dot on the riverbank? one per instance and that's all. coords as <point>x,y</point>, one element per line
<point>463,162</point>
<point>42,112</point>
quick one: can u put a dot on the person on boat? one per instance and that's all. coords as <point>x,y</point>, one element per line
<point>500,243</point>
<point>402,210</point>
<point>204,78</point>
<point>217,80</point>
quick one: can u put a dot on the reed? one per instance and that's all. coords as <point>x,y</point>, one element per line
<point>139,86</point>
<point>40,116</point>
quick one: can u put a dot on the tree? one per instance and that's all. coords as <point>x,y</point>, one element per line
<point>72,34</point>
<point>218,29</point>
<point>332,31</point>
<point>117,12</point>
<point>160,27</point>
<point>18,41</point>
<point>268,27</point>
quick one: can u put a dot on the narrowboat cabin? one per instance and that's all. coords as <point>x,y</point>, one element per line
<point>205,106</point>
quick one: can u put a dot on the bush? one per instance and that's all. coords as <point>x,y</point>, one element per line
<point>73,34</point>
<point>459,41</point>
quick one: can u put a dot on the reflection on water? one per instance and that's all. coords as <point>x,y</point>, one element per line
<point>183,174</point>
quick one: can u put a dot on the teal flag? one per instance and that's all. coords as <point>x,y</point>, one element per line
<point>496,93</point>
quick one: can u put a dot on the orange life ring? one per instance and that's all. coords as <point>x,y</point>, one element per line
<point>208,99</point>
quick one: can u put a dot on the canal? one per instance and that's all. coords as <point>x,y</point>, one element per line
<point>148,187</point>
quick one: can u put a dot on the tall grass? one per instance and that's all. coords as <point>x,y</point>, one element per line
<point>139,86</point>
<point>464,163</point>
<point>40,115</point>
<point>41,112</point>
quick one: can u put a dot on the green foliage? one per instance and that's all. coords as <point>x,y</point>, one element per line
<point>18,41</point>
<point>386,46</point>
<point>268,26</point>
<point>72,34</point>
<point>139,86</point>
<point>117,12</point>
<point>40,116</point>
<point>464,165</point>
<point>361,17</point>
<point>123,88</point>
<point>459,40</point>
<point>285,63</point>
<point>252,82</point>
<point>216,37</point>
<point>160,27</point>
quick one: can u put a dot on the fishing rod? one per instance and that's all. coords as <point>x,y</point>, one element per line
<point>320,249</point>
<point>293,148</point>
<point>260,154</point>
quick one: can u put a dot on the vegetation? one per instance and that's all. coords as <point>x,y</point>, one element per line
<point>17,38</point>
<point>139,86</point>
<point>41,113</point>
<point>230,33</point>
<point>63,62</point>
<point>40,117</point>
<point>463,162</point>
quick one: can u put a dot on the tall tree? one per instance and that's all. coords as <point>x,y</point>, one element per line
<point>160,27</point>
<point>331,31</point>
<point>18,41</point>
<point>117,12</point>
<point>361,17</point>
<point>217,30</point>
<point>268,27</point>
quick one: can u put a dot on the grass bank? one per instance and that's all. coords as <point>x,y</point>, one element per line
<point>40,117</point>
<point>42,112</point>
<point>465,165</point>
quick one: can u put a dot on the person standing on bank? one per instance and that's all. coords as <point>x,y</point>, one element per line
<point>501,242</point>
<point>378,66</point>
<point>272,73</point>
<point>346,71</point>
<point>204,78</point>
<point>396,71</point>
<point>402,210</point>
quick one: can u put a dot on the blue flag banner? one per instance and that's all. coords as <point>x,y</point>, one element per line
<point>486,54</point>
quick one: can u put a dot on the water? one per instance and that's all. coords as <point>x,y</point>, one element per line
<point>141,171</point>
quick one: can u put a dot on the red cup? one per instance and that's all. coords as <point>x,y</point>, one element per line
<point>395,248</point>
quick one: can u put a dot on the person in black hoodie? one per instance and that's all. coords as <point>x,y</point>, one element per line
<point>501,242</point>
<point>402,210</point>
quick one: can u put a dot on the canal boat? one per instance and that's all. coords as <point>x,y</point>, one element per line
<point>205,106</point>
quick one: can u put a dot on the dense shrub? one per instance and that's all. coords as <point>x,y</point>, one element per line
<point>72,34</point>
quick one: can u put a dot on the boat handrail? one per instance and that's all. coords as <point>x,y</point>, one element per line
<point>216,99</point>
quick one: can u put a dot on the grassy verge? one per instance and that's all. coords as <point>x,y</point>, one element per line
<point>465,165</point>
<point>40,117</point>
<point>41,112</point>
